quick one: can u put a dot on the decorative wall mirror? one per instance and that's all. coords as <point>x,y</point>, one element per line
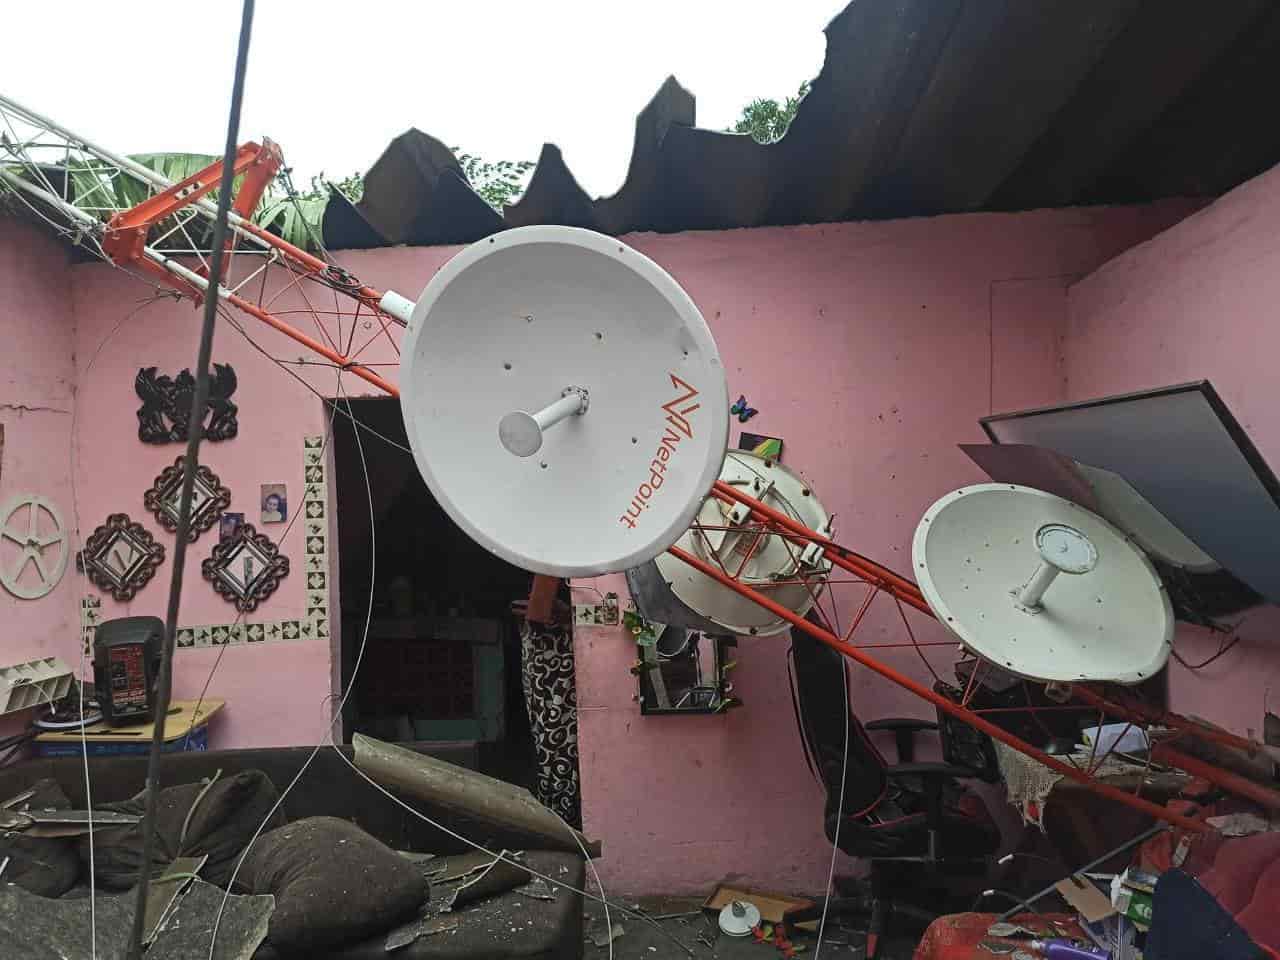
<point>208,499</point>
<point>245,568</point>
<point>121,557</point>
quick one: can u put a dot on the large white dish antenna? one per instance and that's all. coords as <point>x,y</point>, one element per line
<point>1041,586</point>
<point>728,539</point>
<point>564,400</point>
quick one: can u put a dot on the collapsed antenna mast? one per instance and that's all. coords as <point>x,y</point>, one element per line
<point>136,218</point>
<point>133,216</point>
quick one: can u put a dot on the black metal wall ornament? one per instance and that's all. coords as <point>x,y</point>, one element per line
<point>209,498</point>
<point>166,405</point>
<point>121,557</point>
<point>245,568</point>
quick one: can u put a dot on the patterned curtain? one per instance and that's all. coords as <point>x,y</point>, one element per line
<point>551,697</point>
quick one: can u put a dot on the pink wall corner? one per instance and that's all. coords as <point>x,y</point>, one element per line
<point>1028,324</point>
<point>36,388</point>
<point>273,690</point>
<point>871,349</point>
<point>1197,302</point>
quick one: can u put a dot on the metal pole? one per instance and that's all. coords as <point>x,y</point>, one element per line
<point>93,224</point>
<point>242,226</point>
<point>194,431</point>
<point>1127,845</point>
<point>345,363</point>
<point>141,171</point>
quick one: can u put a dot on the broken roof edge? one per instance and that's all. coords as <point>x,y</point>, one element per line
<point>554,195</point>
<point>1165,212</point>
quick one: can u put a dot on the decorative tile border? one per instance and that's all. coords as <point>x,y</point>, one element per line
<point>314,567</point>
<point>90,617</point>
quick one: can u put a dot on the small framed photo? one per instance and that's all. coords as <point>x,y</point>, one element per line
<point>228,524</point>
<point>275,505</point>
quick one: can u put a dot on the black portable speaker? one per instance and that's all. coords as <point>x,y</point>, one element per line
<point>126,663</point>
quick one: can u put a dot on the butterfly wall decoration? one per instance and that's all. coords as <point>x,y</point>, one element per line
<point>743,411</point>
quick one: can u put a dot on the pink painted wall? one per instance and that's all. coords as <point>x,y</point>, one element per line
<point>36,378</point>
<point>274,691</point>
<point>1196,302</point>
<point>870,348</point>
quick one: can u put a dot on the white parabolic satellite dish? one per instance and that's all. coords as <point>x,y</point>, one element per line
<point>727,538</point>
<point>564,400</point>
<point>1041,586</point>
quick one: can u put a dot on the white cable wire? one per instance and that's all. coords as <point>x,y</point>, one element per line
<point>342,704</point>
<point>334,409</point>
<point>88,802</point>
<point>226,896</point>
<point>835,842</point>
<point>499,856</point>
<point>358,425</point>
<point>75,545</point>
<point>595,874</point>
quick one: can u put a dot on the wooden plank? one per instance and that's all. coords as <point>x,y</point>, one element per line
<point>181,720</point>
<point>772,906</point>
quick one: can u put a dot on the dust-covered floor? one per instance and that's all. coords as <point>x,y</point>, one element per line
<point>640,941</point>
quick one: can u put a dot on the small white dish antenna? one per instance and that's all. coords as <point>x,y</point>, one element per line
<point>1041,586</point>
<point>564,400</point>
<point>739,918</point>
<point>727,538</point>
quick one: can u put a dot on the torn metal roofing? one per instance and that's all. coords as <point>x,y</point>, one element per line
<point>922,107</point>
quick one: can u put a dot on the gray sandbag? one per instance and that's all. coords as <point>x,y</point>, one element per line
<point>45,866</point>
<point>332,882</point>
<point>219,819</point>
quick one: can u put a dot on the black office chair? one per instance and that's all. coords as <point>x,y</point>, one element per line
<point>916,825</point>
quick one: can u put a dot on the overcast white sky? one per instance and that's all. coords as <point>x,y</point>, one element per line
<point>333,82</point>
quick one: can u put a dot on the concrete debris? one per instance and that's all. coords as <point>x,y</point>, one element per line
<point>407,934</point>
<point>602,935</point>
<point>1239,824</point>
<point>536,889</point>
<point>186,930</point>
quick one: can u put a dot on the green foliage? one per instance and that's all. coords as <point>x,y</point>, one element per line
<point>767,120</point>
<point>499,183</point>
<point>298,218</point>
<point>101,192</point>
<point>97,192</point>
<point>351,187</point>
<point>296,215</point>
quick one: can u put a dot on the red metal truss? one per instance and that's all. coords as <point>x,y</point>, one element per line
<point>125,241</point>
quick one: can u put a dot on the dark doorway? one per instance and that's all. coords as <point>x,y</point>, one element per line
<point>442,662</point>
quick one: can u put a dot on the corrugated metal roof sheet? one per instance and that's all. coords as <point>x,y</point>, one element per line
<point>922,107</point>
